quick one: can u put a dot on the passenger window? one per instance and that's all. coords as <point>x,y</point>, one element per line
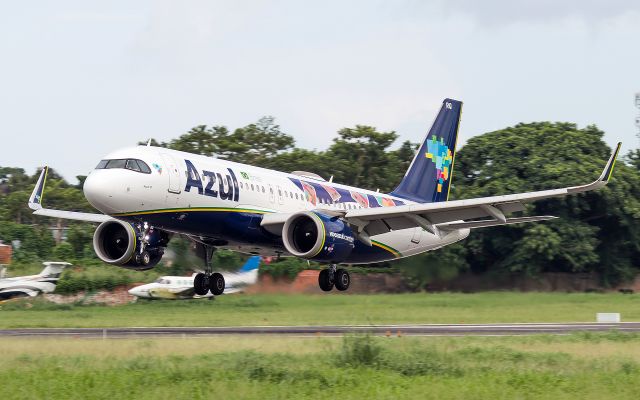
<point>252,187</point>
<point>263,191</point>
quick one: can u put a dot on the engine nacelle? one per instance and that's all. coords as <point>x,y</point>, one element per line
<point>318,237</point>
<point>119,243</point>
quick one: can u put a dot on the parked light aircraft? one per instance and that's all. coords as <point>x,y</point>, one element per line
<point>181,287</point>
<point>32,285</point>
<point>146,194</point>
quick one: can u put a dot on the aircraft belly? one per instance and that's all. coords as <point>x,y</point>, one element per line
<point>399,244</point>
<point>240,230</point>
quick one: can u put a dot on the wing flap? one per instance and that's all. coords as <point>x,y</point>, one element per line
<point>451,226</point>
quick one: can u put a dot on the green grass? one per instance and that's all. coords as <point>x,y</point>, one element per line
<point>580,366</point>
<point>325,309</point>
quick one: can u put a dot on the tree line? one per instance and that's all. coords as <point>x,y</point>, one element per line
<point>597,231</point>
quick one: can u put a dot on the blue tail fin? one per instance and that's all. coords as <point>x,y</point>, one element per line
<point>251,264</point>
<point>428,178</point>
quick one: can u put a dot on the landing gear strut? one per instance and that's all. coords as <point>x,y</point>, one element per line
<point>334,276</point>
<point>203,282</point>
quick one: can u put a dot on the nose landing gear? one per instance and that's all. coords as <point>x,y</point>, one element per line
<point>334,276</point>
<point>208,281</point>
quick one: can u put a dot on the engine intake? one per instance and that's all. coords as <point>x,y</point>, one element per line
<point>119,243</point>
<point>318,237</point>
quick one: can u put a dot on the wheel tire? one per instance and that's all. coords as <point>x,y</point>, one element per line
<point>201,284</point>
<point>145,258</point>
<point>324,281</point>
<point>343,279</point>
<point>216,284</point>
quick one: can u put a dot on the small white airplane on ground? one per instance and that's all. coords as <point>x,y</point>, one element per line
<point>149,193</point>
<point>181,287</point>
<point>32,285</point>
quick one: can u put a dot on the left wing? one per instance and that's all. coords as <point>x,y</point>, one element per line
<point>35,203</point>
<point>460,214</point>
<point>442,217</point>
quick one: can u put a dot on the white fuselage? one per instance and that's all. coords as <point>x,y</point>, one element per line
<point>192,194</point>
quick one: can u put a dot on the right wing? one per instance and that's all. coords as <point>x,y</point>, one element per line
<point>35,203</point>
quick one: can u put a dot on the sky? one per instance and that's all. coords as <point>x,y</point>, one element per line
<point>80,79</point>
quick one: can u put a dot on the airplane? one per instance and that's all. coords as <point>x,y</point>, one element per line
<point>32,285</point>
<point>181,287</point>
<point>146,194</point>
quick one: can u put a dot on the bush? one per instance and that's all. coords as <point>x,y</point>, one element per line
<point>63,252</point>
<point>360,351</point>
<point>287,268</point>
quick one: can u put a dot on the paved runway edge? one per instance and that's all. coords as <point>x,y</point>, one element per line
<point>404,330</point>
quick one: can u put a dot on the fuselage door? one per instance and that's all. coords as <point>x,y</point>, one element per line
<point>173,172</point>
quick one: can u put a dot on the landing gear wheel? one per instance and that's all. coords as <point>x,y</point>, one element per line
<point>201,284</point>
<point>216,284</point>
<point>145,257</point>
<point>324,280</point>
<point>343,279</point>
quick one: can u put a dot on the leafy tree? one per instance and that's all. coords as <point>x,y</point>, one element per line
<point>441,265</point>
<point>597,230</point>
<point>80,236</point>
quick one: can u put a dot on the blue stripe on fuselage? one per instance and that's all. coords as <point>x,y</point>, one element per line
<point>240,228</point>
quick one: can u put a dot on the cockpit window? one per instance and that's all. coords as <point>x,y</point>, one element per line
<point>144,168</point>
<point>113,164</point>
<point>130,164</point>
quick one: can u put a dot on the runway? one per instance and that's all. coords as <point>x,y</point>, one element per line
<point>333,330</point>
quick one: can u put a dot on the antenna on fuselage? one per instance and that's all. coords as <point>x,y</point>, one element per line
<point>331,179</point>
<point>149,143</point>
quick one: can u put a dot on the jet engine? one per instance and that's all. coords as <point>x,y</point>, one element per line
<point>318,237</point>
<point>131,246</point>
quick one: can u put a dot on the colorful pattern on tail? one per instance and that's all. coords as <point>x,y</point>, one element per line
<point>442,157</point>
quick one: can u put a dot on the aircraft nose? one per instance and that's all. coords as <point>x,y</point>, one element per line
<point>99,189</point>
<point>138,292</point>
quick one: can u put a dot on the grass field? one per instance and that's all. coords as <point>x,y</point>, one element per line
<point>578,366</point>
<point>328,309</point>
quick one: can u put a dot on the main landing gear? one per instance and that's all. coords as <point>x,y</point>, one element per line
<point>334,276</point>
<point>208,281</point>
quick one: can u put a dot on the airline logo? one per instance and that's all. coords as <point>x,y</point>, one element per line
<point>342,236</point>
<point>212,184</point>
<point>441,156</point>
